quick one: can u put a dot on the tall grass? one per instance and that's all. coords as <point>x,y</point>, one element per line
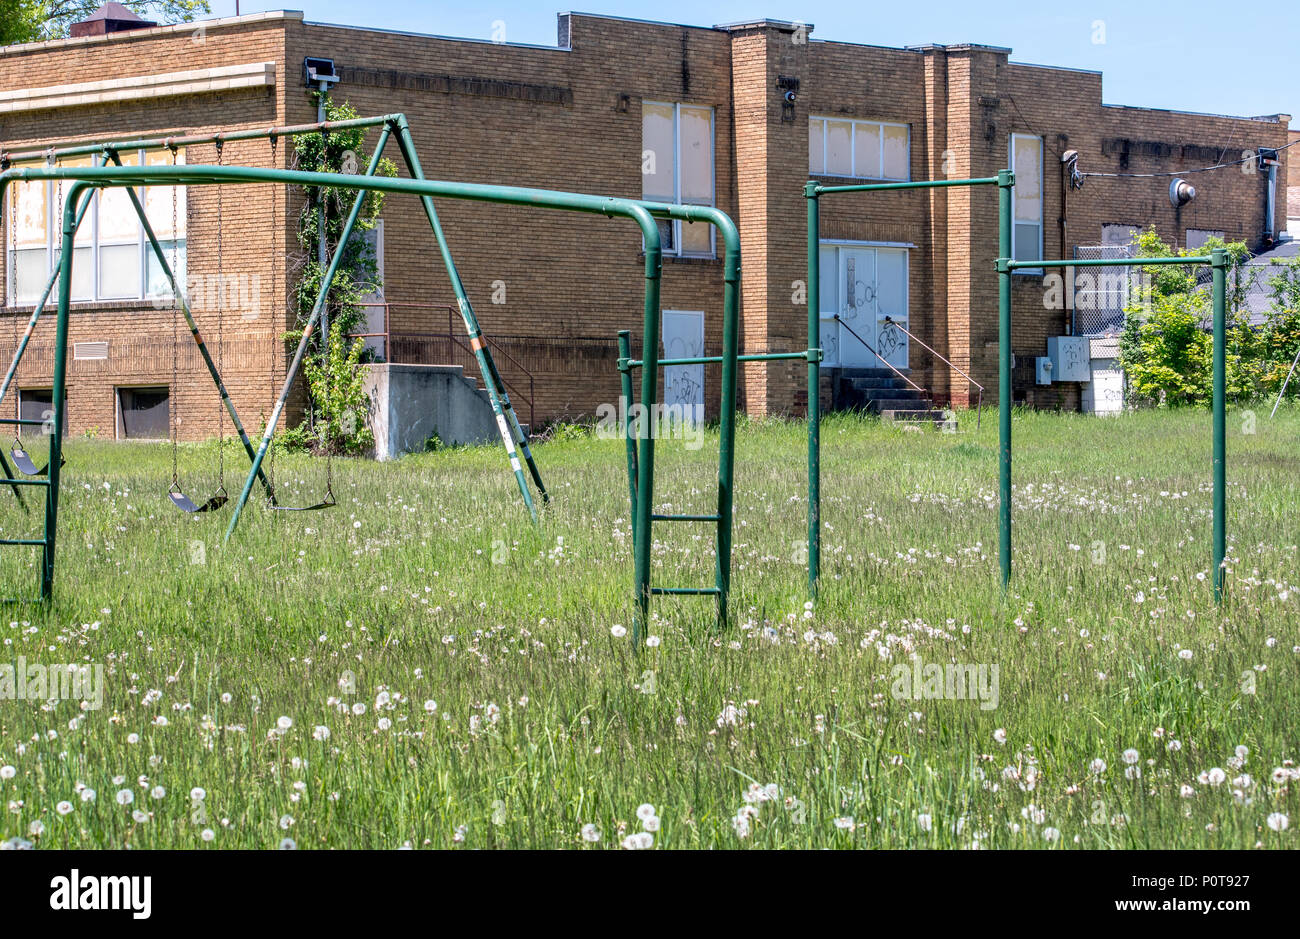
<point>475,692</point>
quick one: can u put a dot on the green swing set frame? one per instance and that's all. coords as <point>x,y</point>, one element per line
<point>84,181</point>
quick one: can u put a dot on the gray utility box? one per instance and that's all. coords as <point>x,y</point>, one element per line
<point>1069,355</point>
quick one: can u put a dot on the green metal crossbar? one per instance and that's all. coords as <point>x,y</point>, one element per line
<point>1005,266</point>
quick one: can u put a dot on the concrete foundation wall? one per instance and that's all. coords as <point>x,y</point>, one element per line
<point>411,403</point>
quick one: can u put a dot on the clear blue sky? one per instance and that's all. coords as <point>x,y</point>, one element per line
<point>1197,55</point>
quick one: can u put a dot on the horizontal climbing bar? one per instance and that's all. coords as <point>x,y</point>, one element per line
<point>23,541</point>
<point>1106,262</point>
<point>684,591</point>
<point>24,482</point>
<point>817,189</point>
<point>684,518</point>
<point>711,359</point>
<point>23,421</point>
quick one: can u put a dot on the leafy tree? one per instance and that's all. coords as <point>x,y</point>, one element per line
<point>1280,337</point>
<point>20,21</point>
<point>29,20</point>
<point>1166,348</point>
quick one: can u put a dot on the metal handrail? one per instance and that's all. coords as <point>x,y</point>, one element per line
<point>979,407</point>
<point>387,335</point>
<point>878,355</point>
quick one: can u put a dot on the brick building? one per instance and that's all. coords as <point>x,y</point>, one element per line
<point>738,116</point>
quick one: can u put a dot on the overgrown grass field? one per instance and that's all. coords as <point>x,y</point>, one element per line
<point>421,667</point>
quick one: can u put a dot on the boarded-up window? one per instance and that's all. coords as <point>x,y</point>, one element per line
<point>861,149</point>
<point>1027,198</point>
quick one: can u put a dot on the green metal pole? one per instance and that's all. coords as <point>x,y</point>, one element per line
<point>814,388</point>
<point>625,411</point>
<point>316,313</point>
<point>59,391</point>
<point>508,425</point>
<point>1006,179</point>
<point>182,303</point>
<point>641,536</point>
<point>727,420</point>
<point>1218,268</point>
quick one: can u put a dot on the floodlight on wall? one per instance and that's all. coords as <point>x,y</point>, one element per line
<point>1181,192</point>
<point>319,73</point>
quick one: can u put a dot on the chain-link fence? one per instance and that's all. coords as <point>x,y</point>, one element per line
<point>1100,297</point>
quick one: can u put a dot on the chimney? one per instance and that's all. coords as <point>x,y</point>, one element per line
<point>110,18</point>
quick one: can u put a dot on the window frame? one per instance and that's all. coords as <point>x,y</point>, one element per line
<point>91,223</point>
<point>853,145</point>
<point>678,250</point>
<point>121,417</point>
<point>1042,200</point>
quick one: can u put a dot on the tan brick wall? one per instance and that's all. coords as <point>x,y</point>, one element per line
<point>570,118</point>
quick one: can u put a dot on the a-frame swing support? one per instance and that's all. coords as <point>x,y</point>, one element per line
<point>83,179</point>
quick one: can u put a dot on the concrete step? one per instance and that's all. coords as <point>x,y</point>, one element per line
<point>871,384</point>
<point>931,416</point>
<point>897,402</point>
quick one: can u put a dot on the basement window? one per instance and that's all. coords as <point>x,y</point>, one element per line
<point>142,413</point>
<point>37,404</point>
<point>677,166</point>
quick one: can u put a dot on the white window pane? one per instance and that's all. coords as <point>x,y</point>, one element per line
<point>156,278</point>
<point>83,276</point>
<point>1027,237</point>
<point>816,146</point>
<point>86,233</point>
<point>1029,184</point>
<point>896,159</point>
<point>119,271</point>
<point>697,238</point>
<point>657,152</point>
<point>118,221</point>
<point>29,270</point>
<point>696,132</point>
<point>839,152</point>
<point>828,279</point>
<point>30,198</point>
<point>158,206</point>
<point>866,150</point>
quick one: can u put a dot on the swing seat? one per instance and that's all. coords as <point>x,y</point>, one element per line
<point>186,504</point>
<point>326,503</point>
<point>23,461</point>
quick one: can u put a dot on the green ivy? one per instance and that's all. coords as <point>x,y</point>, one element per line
<point>337,386</point>
<point>334,380</point>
